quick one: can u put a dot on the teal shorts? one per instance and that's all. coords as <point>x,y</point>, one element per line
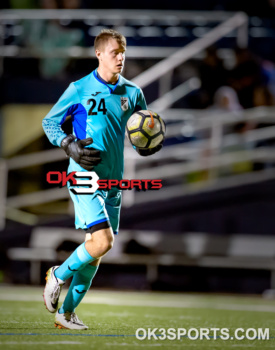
<point>96,208</point>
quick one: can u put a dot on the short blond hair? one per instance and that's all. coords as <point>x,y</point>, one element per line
<point>105,35</point>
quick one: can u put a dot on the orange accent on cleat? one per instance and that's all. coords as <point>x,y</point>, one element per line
<point>47,276</point>
<point>59,326</point>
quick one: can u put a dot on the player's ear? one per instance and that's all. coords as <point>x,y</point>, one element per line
<point>97,53</point>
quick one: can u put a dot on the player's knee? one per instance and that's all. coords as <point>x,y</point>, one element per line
<point>100,242</point>
<point>107,243</point>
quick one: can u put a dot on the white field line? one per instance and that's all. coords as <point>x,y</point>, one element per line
<point>120,301</point>
<point>139,296</point>
<point>20,322</point>
<point>40,342</point>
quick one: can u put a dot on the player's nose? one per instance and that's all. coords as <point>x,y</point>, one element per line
<point>120,56</point>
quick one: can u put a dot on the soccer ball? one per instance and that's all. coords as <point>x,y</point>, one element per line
<point>145,129</point>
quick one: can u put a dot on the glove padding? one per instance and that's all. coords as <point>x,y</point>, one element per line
<point>87,158</point>
<point>148,151</point>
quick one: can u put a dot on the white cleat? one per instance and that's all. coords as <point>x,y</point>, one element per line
<point>68,320</point>
<point>52,290</point>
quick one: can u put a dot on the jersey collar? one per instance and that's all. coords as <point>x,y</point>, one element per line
<point>104,82</point>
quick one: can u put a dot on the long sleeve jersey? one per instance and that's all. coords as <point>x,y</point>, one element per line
<point>98,110</point>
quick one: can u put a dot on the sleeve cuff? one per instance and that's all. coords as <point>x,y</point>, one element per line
<point>59,140</point>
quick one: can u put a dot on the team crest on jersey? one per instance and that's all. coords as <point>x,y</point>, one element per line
<point>124,103</point>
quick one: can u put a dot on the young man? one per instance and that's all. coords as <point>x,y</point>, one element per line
<point>100,105</point>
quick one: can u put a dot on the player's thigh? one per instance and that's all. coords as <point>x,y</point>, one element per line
<point>104,234</point>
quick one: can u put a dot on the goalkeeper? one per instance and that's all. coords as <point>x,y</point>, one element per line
<point>100,105</point>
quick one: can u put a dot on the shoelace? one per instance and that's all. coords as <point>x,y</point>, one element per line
<point>56,292</point>
<point>75,319</point>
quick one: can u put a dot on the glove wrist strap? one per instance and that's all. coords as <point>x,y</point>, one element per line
<point>66,141</point>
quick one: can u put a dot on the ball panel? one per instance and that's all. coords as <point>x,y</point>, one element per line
<point>147,126</point>
<point>155,141</point>
<point>134,121</point>
<point>138,139</point>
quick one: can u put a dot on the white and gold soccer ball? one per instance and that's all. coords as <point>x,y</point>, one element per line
<point>145,129</point>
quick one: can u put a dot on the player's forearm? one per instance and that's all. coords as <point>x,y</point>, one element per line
<point>53,131</point>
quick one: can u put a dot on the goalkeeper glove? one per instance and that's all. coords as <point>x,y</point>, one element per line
<point>148,151</point>
<point>87,158</point>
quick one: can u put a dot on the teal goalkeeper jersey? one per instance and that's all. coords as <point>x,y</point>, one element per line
<point>98,110</point>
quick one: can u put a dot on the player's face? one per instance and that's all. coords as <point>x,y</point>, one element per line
<point>112,57</point>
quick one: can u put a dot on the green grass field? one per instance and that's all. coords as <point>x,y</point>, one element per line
<point>113,318</point>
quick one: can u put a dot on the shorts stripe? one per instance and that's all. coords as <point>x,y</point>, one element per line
<point>96,222</point>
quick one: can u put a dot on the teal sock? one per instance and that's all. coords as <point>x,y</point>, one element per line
<point>81,283</point>
<point>75,262</point>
